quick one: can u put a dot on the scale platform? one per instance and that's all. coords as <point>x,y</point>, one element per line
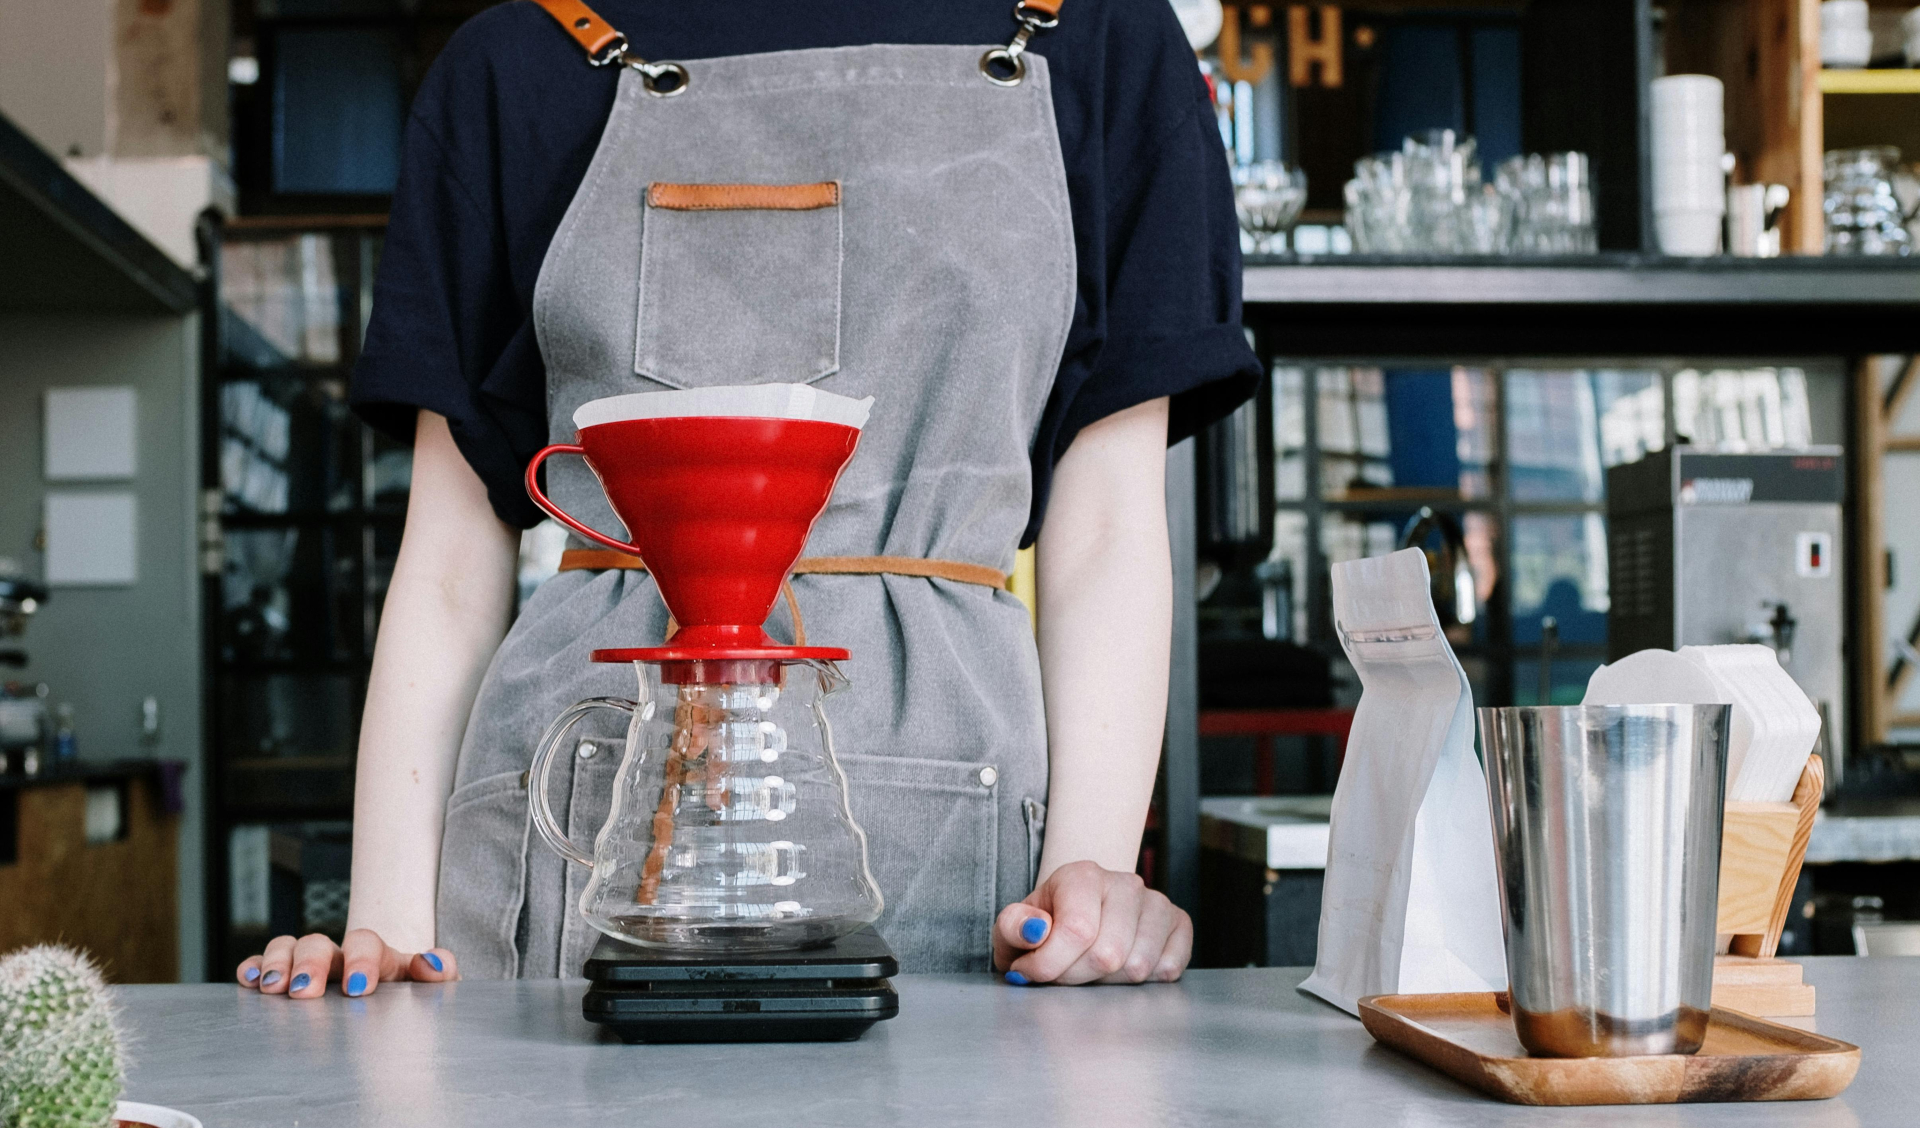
<point>826,994</point>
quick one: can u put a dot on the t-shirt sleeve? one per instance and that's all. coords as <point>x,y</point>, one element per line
<point>1160,269</point>
<point>450,330</point>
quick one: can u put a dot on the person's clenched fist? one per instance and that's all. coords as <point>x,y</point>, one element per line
<point>1085,924</point>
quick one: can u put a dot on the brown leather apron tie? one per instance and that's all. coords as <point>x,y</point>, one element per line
<point>606,46</point>
<point>606,559</point>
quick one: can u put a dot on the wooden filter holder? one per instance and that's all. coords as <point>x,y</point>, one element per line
<point>1761,849</point>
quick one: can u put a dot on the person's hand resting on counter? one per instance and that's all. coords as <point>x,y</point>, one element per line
<point>1086,924</point>
<point>302,968</point>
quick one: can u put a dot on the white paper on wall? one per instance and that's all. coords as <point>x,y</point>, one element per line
<point>92,538</point>
<point>91,434</point>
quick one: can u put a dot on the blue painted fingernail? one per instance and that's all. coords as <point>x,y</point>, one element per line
<point>300,982</point>
<point>252,974</point>
<point>1033,930</point>
<point>272,978</point>
<point>1017,979</point>
<point>357,983</point>
<point>434,960</point>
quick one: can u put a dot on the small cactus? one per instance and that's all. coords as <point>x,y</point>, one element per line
<point>60,1063</point>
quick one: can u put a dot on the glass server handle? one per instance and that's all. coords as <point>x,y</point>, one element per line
<point>537,803</point>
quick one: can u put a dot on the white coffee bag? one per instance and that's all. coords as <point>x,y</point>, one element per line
<point>1412,898</point>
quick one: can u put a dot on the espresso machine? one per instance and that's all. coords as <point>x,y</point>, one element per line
<point>730,881</point>
<point>1708,547</point>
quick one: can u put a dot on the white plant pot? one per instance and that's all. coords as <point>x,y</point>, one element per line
<point>133,1112</point>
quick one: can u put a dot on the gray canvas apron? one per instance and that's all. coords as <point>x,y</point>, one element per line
<point>942,285</point>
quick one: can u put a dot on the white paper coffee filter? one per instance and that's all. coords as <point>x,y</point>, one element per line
<point>1786,724</point>
<point>756,401</point>
<point>1662,677</point>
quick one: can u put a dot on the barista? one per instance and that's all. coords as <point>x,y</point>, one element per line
<point>1035,272</point>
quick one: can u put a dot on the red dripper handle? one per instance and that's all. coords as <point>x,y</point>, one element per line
<point>543,501</point>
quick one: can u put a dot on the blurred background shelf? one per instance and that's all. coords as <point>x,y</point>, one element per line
<point>1886,81</point>
<point>1610,304</point>
<point>67,251</point>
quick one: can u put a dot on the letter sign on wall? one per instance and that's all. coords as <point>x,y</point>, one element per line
<point>1305,51</point>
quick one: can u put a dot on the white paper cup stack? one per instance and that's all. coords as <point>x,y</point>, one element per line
<point>1845,38</point>
<point>1689,182</point>
<point>1773,728</point>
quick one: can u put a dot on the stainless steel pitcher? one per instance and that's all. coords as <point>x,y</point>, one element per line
<point>1606,824</point>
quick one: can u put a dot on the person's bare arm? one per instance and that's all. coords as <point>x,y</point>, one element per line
<point>1105,578</point>
<point>446,611</point>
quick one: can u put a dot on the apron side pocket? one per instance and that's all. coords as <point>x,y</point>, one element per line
<point>1036,813</point>
<point>483,852</point>
<point>932,831</point>
<point>739,284</point>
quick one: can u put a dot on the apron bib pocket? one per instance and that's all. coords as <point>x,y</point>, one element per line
<point>739,284</point>
<point>483,854</point>
<point>932,831</point>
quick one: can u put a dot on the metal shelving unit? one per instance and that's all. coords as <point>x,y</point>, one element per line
<point>302,512</point>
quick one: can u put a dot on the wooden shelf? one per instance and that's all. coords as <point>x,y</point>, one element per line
<point>1882,81</point>
<point>67,251</point>
<point>1359,306</point>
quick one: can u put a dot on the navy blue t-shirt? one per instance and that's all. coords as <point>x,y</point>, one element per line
<point>506,121</point>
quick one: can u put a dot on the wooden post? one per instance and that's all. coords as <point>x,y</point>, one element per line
<point>1787,50</point>
<point>1869,639</point>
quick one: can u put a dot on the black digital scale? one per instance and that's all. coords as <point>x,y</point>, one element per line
<point>826,994</point>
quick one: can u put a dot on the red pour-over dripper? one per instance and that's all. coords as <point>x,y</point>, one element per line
<point>719,508</point>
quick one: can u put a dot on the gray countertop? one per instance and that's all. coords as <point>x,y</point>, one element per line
<point>1220,1047</point>
<point>1290,831</point>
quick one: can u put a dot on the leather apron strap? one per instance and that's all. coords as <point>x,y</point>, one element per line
<point>602,559</point>
<point>605,559</point>
<point>604,44</point>
<point>593,33</point>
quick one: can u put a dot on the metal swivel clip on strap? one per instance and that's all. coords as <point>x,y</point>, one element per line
<point>1007,66</point>
<point>606,46</point>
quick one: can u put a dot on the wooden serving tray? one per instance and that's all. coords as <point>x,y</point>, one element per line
<point>1470,1038</point>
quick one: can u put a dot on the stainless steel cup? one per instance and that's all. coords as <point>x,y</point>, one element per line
<point>1606,826</point>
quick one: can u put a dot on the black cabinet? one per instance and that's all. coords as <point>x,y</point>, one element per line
<point>302,510</point>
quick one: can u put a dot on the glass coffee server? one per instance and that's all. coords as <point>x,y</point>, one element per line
<point>302,507</point>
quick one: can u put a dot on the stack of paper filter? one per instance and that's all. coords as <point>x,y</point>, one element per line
<point>1773,728</point>
<point>759,401</point>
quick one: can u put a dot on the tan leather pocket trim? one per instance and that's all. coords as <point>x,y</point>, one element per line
<point>744,197</point>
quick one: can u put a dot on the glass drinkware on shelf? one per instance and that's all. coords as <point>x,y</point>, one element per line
<point>1552,195</point>
<point>730,827</point>
<point>1863,211</point>
<point>1268,197</point>
<point>1428,198</point>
